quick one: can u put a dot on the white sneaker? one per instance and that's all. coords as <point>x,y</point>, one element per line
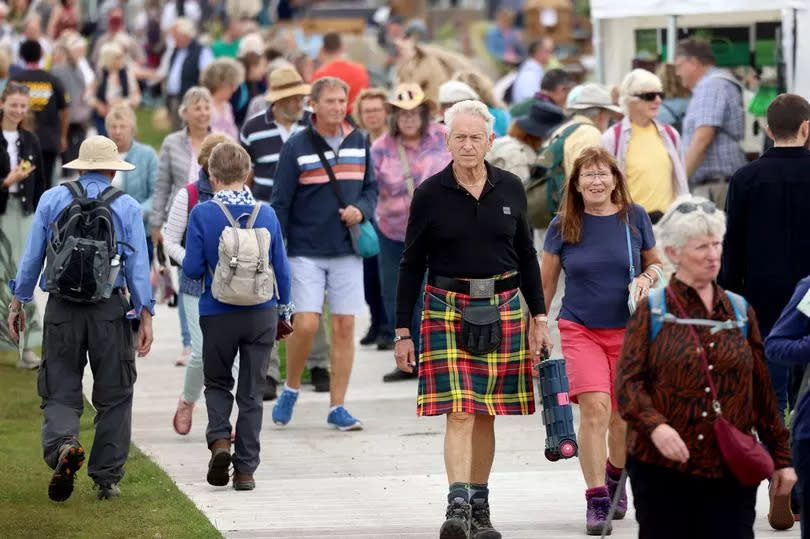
<point>29,360</point>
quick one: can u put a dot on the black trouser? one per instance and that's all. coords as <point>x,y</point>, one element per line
<point>673,505</point>
<point>72,332</point>
<point>76,135</point>
<point>801,462</point>
<point>252,333</point>
<point>373,294</point>
<point>48,164</point>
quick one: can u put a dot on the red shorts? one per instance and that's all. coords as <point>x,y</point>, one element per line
<point>590,356</point>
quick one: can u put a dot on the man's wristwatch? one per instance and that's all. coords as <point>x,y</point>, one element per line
<point>541,318</point>
<point>11,308</point>
<point>402,338</point>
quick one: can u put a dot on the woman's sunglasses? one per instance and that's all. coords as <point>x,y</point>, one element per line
<point>689,207</point>
<point>650,96</point>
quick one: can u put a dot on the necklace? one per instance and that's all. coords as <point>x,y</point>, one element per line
<point>476,183</point>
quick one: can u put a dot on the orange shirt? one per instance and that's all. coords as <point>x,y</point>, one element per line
<point>353,74</point>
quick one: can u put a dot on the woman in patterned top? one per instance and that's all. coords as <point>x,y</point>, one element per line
<point>663,394</point>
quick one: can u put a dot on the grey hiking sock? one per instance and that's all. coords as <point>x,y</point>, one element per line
<point>459,490</point>
<point>479,492</point>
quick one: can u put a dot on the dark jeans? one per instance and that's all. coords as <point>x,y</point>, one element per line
<point>801,462</point>
<point>780,377</point>
<point>390,256</point>
<point>76,134</point>
<point>48,164</point>
<point>74,332</point>
<point>252,333</point>
<point>674,505</point>
<point>374,300</point>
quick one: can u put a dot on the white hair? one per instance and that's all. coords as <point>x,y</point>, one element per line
<point>185,27</point>
<point>470,107</point>
<point>636,82</point>
<point>676,228</point>
<point>192,95</point>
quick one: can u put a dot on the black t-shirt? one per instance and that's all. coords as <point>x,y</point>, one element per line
<point>48,97</point>
<point>452,234</point>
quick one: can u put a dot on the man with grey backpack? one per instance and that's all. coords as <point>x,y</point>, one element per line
<point>235,245</point>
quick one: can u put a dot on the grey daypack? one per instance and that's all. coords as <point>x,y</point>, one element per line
<point>243,275</point>
<point>82,256</point>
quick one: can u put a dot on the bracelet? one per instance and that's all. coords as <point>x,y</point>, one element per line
<point>13,310</point>
<point>402,338</point>
<point>541,318</point>
<point>649,278</point>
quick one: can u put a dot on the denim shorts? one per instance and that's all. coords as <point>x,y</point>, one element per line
<point>341,278</point>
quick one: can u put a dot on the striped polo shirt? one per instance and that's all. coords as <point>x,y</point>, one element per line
<point>263,139</point>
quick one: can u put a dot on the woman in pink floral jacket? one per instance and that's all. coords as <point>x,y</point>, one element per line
<point>413,150</point>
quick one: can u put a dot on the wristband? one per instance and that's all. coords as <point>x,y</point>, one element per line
<point>402,338</point>
<point>541,318</point>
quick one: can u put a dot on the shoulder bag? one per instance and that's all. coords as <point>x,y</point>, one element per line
<point>364,238</point>
<point>747,459</point>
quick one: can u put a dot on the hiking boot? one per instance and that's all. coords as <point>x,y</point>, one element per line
<point>270,389</point>
<point>182,359</point>
<point>105,491</point>
<point>283,410</point>
<point>596,516</point>
<point>780,517</point>
<point>398,376</point>
<point>28,360</point>
<point>243,481</point>
<point>480,525</point>
<point>370,337</point>
<point>342,420</point>
<point>457,523</point>
<point>320,379</point>
<point>621,507</point>
<point>220,463</point>
<point>71,458</point>
<point>182,417</point>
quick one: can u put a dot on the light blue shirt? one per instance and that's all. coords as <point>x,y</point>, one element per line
<point>174,82</point>
<point>528,80</point>
<point>129,229</point>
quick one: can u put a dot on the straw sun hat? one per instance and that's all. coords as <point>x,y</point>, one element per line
<point>408,96</point>
<point>285,82</point>
<point>98,153</point>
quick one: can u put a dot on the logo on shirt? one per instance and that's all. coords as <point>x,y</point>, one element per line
<point>507,210</point>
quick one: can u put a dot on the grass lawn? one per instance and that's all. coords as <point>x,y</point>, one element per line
<point>150,505</point>
<point>147,133</point>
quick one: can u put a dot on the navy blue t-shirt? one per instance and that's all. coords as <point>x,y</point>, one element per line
<point>597,269</point>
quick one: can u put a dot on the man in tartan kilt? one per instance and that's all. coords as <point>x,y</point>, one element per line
<point>469,229</point>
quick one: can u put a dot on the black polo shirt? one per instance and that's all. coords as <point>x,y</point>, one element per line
<point>452,234</point>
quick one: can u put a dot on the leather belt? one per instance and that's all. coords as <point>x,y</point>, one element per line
<point>475,288</point>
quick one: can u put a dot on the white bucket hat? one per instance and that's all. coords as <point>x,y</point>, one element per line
<point>98,153</point>
<point>593,96</point>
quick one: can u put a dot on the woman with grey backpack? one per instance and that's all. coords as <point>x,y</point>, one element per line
<point>235,245</point>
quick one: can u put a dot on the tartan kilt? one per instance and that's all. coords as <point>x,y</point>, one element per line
<point>453,380</point>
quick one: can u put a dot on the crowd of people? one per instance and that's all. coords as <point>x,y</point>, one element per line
<point>297,181</point>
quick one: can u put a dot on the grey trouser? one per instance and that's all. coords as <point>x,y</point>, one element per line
<point>318,356</point>
<point>72,332</point>
<point>252,333</point>
<point>714,190</point>
<point>173,106</point>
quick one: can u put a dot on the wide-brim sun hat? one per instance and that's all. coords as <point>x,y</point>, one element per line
<point>453,91</point>
<point>593,96</point>
<point>542,119</point>
<point>285,82</point>
<point>408,96</point>
<point>98,153</point>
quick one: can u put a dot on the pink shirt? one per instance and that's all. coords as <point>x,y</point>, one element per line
<point>222,121</point>
<point>394,201</point>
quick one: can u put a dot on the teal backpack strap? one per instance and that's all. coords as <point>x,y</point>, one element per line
<point>658,309</point>
<point>740,306</point>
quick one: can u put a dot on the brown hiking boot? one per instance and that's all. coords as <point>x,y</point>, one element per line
<point>71,458</point>
<point>243,481</point>
<point>780,517</point>
<point>220,463</point>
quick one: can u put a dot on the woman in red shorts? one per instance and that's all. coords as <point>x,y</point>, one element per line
<point>604,242</point>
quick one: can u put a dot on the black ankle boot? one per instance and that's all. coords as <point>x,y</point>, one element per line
<point>480,525</point>
<point>457,525</point>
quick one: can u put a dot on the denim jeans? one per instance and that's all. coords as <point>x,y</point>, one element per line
<point>801,462</point>
<point>390,256</point>
<point>780,377</point>
<point>181,312</point>
<point>374,300</point>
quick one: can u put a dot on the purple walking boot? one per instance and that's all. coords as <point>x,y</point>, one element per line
<point>612,485</point>
<point>597,512</point>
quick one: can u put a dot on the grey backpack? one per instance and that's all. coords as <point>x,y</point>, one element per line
<point>243,275</point>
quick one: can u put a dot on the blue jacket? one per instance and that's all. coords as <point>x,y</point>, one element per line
<point>140,183</point>
<point>789,343</point>
<point>205,225</point>
<point>306,204</point>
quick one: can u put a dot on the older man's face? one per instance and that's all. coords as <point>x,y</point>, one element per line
<point>468,141</point>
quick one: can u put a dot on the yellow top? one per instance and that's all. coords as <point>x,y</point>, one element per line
<point>649,169</point>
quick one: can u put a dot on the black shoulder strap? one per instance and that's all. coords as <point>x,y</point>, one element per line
<point>110,194</point>
<point>76,189</point>
<point>317,143</point>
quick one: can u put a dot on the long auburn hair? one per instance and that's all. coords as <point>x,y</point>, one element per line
<point>573,206</point>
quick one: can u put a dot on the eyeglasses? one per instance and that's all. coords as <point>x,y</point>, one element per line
<point>688,207</point>
<point>602,175</point>
<point>650,96</point>
<point>17,88</point>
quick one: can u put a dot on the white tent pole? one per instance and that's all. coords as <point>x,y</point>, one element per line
<point>598,50</point>
<point>672,37</point>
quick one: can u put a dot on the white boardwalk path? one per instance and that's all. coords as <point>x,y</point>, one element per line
<point>385,481</point>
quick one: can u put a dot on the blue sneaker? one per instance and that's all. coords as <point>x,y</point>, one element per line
<point>341,419</point>
<point>283,410</point>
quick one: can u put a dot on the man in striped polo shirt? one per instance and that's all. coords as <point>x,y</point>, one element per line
<point>263,136</point>
<point>315,218</point>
